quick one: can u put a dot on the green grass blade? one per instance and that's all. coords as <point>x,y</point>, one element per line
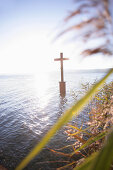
<point>63,120</point>
<point>90,141</point>
<point>105,157</point>
<point>99,160</point>
<point>86,165</point>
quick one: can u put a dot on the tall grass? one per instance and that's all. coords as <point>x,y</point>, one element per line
<point>90,136</point>
<point>68,115</point>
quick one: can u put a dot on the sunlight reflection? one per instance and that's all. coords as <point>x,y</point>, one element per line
<point>37,115</point>
<point>42,85</point>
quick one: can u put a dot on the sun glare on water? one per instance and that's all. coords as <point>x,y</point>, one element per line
<point>42,84</point>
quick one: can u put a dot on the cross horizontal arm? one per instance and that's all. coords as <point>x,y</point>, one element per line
<point>65,58</point>
<point>59,59</point>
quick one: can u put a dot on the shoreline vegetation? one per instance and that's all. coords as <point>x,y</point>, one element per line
<point>90,139</point>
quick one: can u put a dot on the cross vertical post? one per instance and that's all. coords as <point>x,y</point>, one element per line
<point>62,75</point>
<point>62,83</point>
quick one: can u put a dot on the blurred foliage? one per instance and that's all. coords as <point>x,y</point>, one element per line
<point>90,139</point>
<point>91,21</point>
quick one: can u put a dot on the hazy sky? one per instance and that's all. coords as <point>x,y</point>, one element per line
<point>27,28</point>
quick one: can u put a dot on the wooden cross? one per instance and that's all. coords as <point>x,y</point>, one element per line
<point>61,61</point>
<point>62,83</point>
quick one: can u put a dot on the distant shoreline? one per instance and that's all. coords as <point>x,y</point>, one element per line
<point>90,70</point>
<point>57,71</point>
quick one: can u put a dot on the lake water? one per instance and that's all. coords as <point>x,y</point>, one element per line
<point>29,106</point>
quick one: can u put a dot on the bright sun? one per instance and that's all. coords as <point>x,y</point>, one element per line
<point>28,53</point>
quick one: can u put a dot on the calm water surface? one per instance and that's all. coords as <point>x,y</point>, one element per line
<point>29,106</point>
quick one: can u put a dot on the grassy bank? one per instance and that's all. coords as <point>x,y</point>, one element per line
<point>90,138</point>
